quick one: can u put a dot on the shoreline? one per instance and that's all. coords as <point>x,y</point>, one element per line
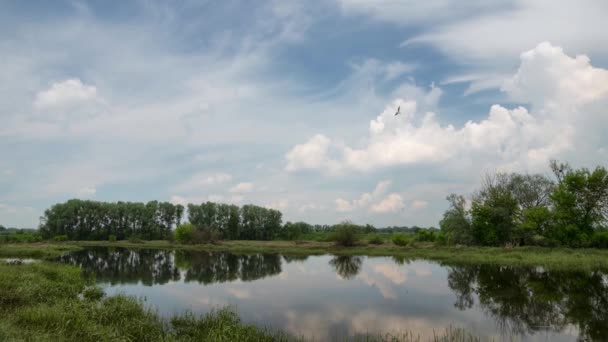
<point>517,256</point>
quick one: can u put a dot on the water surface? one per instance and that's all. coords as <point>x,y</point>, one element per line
<point>328,297</point>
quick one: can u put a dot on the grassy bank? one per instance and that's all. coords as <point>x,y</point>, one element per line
<point>38,250</point>
<point>519,256</point>
<point>53,302</point>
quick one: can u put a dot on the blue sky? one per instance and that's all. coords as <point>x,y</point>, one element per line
<point>289,104</point>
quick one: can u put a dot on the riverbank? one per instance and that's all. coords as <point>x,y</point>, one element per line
<point>48,301</point>
<point>519,256</point>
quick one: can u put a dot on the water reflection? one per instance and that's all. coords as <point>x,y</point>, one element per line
<point>527,300</point>
<point>347,267</point>
<point>303,296</point>
<point>157,267</point>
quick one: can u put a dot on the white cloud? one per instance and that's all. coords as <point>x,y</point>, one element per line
<point>202,180</point>
<point>310,207</point>
<point>496,37</point>
<point>409,12</point>
<point>243,187</point>
<point>343,205</point>
<point>65,93</point>
<point>176,199</point>
<point>419,204</point>
<point>566,95</point>
<point>392,203</point>
<point>396,69</point>
<point>372,200</point>
<point>87,191</point>
<point>311,155</point>
<point>281,204</point>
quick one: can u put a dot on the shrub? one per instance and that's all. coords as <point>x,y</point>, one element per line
<point>60,238</point>
<point>135,239</point>
<point>600,239</point>
<point>346,234</point>
<point>205,235</point>
<point>376,240</point>
<point>425,235</point>
<point>112,238</point>
<point>401,239</point>
<point>184,233</point>
<point>441,239</point>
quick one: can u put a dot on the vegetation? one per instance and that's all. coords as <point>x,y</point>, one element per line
<point>51,302</point>
<point>14,235</point>
<point>346,234</point>
<point>401,239</point>
<point>515,209</point>
<point>91,220</point>
<point>35,250</point>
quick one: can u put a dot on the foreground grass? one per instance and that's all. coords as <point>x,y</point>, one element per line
<point>53,302</point>
<point>566,258</point>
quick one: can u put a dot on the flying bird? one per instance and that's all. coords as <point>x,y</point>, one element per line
<point>398,111</point>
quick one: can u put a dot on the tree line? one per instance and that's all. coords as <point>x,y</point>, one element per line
<point>91,220</point>
<point>570,209</point>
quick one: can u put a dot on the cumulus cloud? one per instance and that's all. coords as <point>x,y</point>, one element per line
<point>373,201</point>
<point>242,187</point>
<point>392,203</point>
<point>566,96</point>
<point>312,154</point>
<point>65,93</point>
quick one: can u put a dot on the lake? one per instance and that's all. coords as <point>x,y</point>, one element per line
<point>339,297</point>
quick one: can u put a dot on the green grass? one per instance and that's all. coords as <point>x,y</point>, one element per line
<point>519,256</point>
<point>39,250</point>
<point>52,302</point>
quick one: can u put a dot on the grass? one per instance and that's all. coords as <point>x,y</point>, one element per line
<point>38,250</point>
<point>52,302</point>
<point>519,256</point>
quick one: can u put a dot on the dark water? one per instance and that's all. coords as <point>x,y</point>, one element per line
<point>324,297</point>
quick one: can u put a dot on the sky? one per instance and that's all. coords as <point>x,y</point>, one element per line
<point>290,104</point>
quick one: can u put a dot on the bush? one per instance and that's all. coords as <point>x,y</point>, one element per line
<point>135,239</point>
<point>376,240</point>
<point>205,235</point>
<point>184,233</point>
<point>425,235</point>
<point>441,239</point>
<point>346,234</point>
<point>60,238</point>
<point>112,238</point>
<point>600,239</point>
<point>401,239</point>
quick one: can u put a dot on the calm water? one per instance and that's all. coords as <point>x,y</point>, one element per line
<point>325,297</point>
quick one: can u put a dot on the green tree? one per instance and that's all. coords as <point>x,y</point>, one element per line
<point>456,222</point>
<point>580,202</point>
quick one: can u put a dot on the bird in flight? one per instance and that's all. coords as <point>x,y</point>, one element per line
<point>398,111</point>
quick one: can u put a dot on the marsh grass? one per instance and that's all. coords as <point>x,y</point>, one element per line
<point>39,250</point>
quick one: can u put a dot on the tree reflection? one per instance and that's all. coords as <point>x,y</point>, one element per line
<point>119,266</point>
<point>347,266</point>
<point>526,300</point>
<point>150,267</point>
